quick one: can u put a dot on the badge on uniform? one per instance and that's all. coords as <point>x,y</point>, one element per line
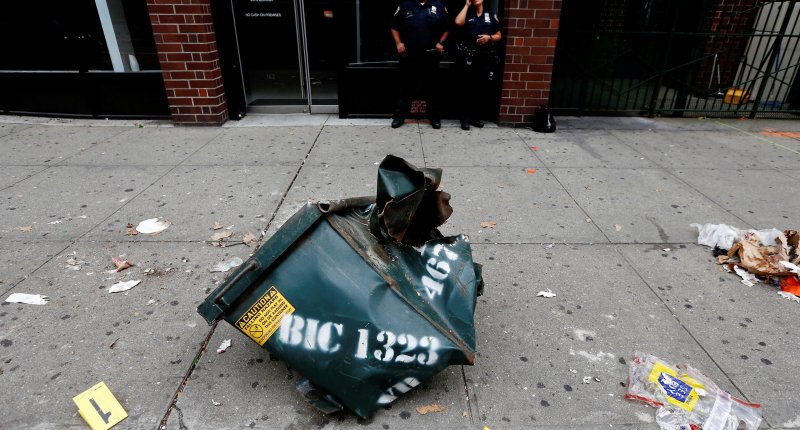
<point>433,9</point>
<point>486,18</point>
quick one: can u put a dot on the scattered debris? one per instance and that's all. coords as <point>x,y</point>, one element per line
<point>587,380</point>
<point>617,227</point>
<point>769,256</point>
<point>73,263</point>
<point>589,220</point>
<point>747,278</point>
<point>790,296</point>
<point>124,286</point>
<point>215,403</point>
<point>488,224</point>
<point>596,379</point>
<point>114,343</point>
<point>249,239</point>
<point>221,235</point>
<point>130,230</point>
<point>573,371</point>
<point>121,264</point>
<point>424,410</point>
<point>58,221</point>
<point>546,294</point>
<point>224,266</point>
<point>152,226</point>
<point>30,299</point>
<point>667,249</point>
<point>531,171</point>
<point>216,226</point>
<point>224,346</point>
<point>25,228</point>
<point>686,397</point>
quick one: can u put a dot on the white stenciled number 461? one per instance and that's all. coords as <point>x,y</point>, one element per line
<point>438,269</point>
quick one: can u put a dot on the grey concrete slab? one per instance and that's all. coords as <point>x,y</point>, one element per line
<point>527,207</point>
<point>687,149</point>
<point>640,205</point>
<point>768,151</point>
<point>476,147</point>
<point>147,146</point>
<point>18,259</point>
<point>10,175</point>
<point>11,128</point>
<point>192,198</point>
<point>257,146</point>
<point>759,197</point>
<point>279,120</point>
<point>584,148</point>
<point>48,145</point>
<point>748,331</point>
<point>140,343</point>
<point>325,183</point>
<point>534,352</point>
<point>256,391</point>
<point>760,124</point>
<point>365,145</point>
<point>637,123</point>
<point>64,202</point>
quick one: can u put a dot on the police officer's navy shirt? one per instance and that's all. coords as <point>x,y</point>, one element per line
<point>420,24</point>
<point>476,25</point>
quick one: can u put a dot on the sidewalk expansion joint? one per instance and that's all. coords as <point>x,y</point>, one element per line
<point>471,398</point>
<point>174,402</point>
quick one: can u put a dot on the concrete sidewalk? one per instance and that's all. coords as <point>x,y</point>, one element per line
<point>588,212</point>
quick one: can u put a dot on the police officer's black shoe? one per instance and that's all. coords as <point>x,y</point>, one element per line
<point>465,124</point>
<point>436,124</point>
<point>477,123</point>
<point>397,122</point>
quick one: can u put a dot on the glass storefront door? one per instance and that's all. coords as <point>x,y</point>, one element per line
<point>286,51</point>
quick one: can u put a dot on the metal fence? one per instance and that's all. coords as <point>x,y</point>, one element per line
<point>722,58</point>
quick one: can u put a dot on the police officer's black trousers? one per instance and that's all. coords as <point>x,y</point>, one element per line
<point>476,90</point>
<point>419,69</point>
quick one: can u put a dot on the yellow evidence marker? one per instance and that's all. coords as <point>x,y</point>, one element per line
<point>99,407</point>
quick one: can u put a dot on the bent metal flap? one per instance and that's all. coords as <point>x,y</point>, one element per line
<point>363,312</point>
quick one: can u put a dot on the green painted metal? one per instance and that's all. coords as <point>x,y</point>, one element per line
<point>373,316</point>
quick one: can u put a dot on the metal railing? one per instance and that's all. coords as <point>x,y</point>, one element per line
<point>734,58</point>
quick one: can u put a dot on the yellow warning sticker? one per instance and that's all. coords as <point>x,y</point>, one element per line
<point>263,318</point>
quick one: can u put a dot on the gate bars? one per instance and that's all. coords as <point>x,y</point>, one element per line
<point>720,58</point>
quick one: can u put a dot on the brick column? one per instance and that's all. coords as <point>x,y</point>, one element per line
<point>531,32</point>
<point>187,51</point>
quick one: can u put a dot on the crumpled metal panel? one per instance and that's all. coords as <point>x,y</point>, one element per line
<point>362,297</point>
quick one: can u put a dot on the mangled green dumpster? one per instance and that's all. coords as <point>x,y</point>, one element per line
<point>363,297</point>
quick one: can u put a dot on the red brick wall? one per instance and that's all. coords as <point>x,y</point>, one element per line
<point>187,51</point>
<point>531,31</point>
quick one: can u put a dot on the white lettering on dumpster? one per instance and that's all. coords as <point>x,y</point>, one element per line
<point>385,346</point>
<point>437,269</point>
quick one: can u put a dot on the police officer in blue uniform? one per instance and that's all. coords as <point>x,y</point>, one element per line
<point>478,59</point>
<point>419,28</point>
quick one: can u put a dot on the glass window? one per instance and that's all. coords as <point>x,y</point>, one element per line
<point>76,35</point>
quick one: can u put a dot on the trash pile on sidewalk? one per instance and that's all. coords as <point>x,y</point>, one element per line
<point>769,256</point>
<point>687,399</point>
<point>363,298</point>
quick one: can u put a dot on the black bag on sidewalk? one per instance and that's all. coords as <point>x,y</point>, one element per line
<point>543,120</point>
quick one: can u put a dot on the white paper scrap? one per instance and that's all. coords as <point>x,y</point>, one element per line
<point>587,379</point>
<point>748,278</point>
<point>123,286</point>
<point>788,295</point>
<point>546,294</point>
<point>227,265</point>
<point>792,267</point>
<point>224,346</point>
<point>30,299</point>
<point>152,225</point>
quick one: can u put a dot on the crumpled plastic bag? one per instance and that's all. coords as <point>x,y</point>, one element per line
<point>686,397</point>
<point>723,235</point>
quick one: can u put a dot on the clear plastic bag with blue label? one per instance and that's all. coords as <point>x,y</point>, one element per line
<point>686,398</point>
